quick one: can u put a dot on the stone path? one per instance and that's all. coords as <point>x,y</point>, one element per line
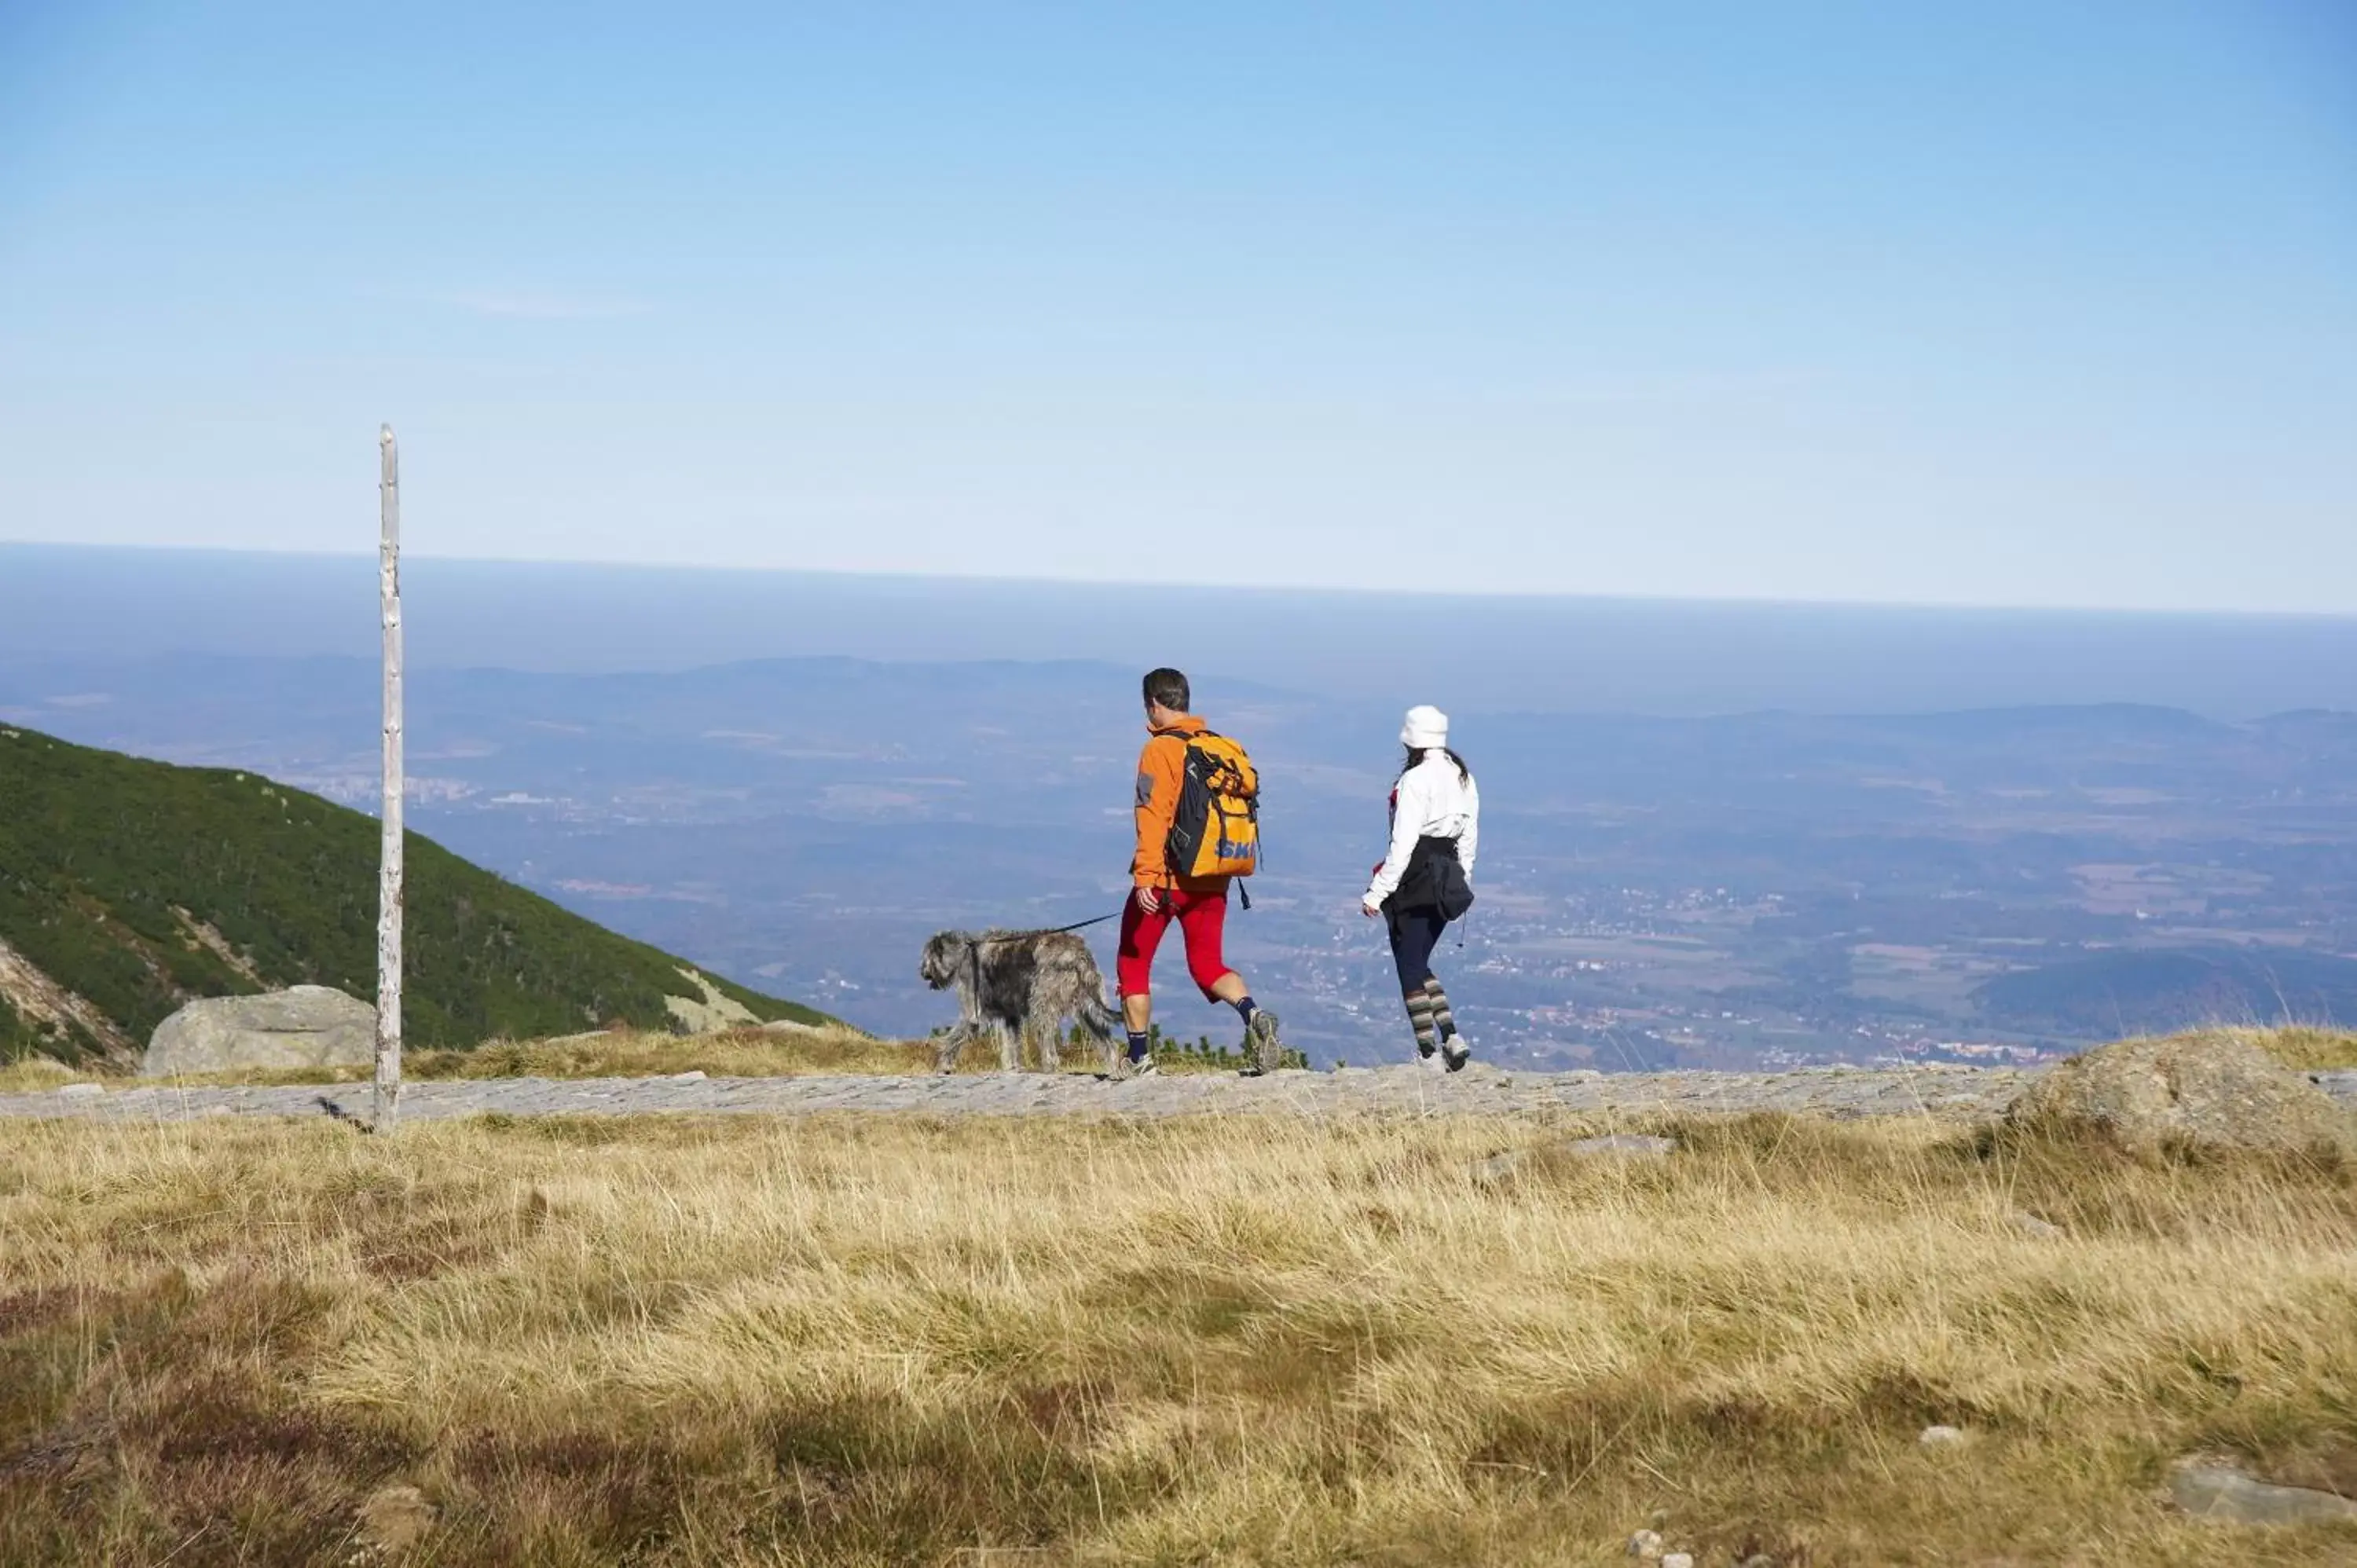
<point>1950,1093</point>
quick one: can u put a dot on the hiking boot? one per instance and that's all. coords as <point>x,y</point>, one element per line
<point>1143,1068</point>
<point>1455,1053</point>
<point>1261,1044</point>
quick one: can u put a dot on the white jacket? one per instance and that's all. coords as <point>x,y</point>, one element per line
<point>1429,801</point>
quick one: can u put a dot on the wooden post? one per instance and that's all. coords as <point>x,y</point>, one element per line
<point>387,1104</point>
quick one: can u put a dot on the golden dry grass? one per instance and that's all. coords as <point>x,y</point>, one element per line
<point>794,1051</point>
<point>776,1052</point>
<point>888,1341</point>
<point>734,1053</point>
<point>619,1053</point>
<point>32,1075</point>
<point>2307,1049</point>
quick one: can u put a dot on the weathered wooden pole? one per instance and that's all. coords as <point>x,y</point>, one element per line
<point>387,1106</point>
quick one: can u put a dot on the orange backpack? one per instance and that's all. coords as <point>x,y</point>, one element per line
<point>1216,831</point>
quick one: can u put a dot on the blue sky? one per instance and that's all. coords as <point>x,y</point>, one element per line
<point>2001,304</point>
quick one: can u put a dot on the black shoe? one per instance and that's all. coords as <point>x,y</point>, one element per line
<point>1455,1053</point>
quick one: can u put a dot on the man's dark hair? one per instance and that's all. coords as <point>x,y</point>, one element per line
<point>1169,688</point>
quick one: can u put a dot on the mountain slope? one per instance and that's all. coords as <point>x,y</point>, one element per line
<point>128,886</point>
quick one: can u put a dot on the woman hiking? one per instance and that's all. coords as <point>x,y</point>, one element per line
<point>1426,880</point>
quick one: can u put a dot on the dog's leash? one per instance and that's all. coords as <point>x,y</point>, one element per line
<point>1083,924</point>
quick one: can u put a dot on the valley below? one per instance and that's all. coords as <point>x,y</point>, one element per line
<point>1747,892</point>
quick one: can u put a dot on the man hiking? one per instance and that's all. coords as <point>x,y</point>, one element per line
<point>1197,829</point>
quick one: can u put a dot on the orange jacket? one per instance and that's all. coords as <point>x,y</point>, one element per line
<point>1161,769</point>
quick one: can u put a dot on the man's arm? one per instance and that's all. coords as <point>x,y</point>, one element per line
<point>1159,770</point>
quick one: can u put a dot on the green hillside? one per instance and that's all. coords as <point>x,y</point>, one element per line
<point>127,886</point>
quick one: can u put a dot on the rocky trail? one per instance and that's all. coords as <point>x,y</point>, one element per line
<point>1950,1093</point>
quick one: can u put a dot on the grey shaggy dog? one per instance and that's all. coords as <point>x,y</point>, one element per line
<point>1019,985</point>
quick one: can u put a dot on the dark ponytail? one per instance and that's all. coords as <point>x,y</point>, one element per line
<point>1416,754</point>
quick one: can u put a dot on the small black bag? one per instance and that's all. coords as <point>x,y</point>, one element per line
<point>1434,880</point>
<point>1456,894</point>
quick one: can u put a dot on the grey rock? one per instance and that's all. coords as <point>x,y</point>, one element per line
<point>395,1518</point>
<point>1941,1437</point>
<point>80,1090</point>
<point>302,1026</point>
<point>1646,1546</point>
<point>2212,1088</point>
<point>1960,1098</point>
<point>2213,1491</point>
<point>1677,1560</point>
<point>1624,1145</point>
<point>2031,1225</point>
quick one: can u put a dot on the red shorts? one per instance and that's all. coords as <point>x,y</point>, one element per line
<point>1202,916</point>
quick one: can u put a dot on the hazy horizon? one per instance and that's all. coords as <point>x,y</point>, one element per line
<point>1206,585</point>
<point>1540,653</point>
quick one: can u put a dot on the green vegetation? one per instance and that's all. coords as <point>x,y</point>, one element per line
<point>1199,1055</point>
<point>135,885</point>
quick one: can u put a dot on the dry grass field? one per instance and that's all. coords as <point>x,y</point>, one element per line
<point>743,1053</point>
<point>2308,1049</point>
<point>782,1052</point>
<point>889,1340</point>
<point>774,1052</point>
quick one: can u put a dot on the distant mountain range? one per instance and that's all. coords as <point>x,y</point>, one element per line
<point>128,888</point>
<point>1467,653</point>
<point>1746,890</point>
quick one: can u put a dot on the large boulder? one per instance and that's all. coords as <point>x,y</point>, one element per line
<point>302,1026</point>
<point>2210,1088</point>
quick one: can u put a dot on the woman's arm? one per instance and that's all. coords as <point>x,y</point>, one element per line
<point>1407,826</point>
<point>1469,840</point>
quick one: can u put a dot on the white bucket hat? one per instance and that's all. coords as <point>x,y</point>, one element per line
<point>1425,728</point>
